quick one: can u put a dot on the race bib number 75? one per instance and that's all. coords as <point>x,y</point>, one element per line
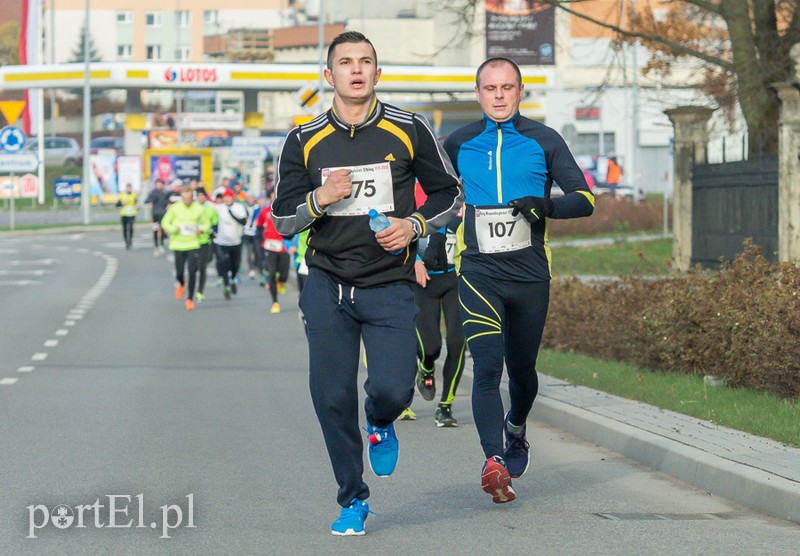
<point>372,189</point>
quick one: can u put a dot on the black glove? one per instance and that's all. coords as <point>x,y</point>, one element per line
<point>435,256</point>
<point>533,209</point>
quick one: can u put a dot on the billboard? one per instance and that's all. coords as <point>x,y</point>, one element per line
<point>129,171</point>
<point>177,164</point>
<point>103,177</point>
<point>522,30</point>
<point>171,167</point>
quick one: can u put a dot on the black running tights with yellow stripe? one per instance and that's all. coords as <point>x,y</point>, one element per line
<point>440,297</point>
<point>503,320</point>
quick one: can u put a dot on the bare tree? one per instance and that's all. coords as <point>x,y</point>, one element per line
<point>742,47</point>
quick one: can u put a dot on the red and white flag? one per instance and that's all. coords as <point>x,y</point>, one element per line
<point>30,37</point>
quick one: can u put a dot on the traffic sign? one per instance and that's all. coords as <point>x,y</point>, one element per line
<point>255,153</point>
<point>12,139</point>
<point>308,97</point>
<point>11,109</point>
<point>20,162</point>
<point>15,187</point>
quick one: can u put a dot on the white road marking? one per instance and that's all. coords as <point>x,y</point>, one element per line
<point>26,369</point>
<point>69,323</point>
<point>25,272</point>
<point>51,343</point>
<point>8,381</point>
<point>18,282</point>
<point>34,262</point>
<point>62,332</point>
<point>39,356</point>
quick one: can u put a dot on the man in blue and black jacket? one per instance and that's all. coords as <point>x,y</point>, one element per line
<point>508,164</point>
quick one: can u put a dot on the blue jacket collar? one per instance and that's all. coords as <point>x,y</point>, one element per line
<point>503,125</point>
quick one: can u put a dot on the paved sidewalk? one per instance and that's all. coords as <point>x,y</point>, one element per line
<point>750,470</point>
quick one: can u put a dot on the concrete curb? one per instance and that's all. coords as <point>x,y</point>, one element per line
<point>752,487</point>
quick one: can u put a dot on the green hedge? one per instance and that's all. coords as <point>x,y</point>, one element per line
<point>742,323</point>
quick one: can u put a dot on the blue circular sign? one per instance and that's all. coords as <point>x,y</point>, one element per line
<point>12,139</point>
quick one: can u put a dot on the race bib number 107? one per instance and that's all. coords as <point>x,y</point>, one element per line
<point>372,189</point>
<point>498,231</point>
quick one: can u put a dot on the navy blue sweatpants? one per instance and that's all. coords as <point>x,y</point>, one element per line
<point>338,317</point>
<point>503,320</point>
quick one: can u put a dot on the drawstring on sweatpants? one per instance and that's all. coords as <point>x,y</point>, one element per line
<point>352,294</point>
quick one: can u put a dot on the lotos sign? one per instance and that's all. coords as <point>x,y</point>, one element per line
<point>190,75</point>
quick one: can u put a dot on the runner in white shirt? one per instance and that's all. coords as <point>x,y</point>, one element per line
<point>228,241</point>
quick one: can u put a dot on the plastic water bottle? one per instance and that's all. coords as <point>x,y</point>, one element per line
<point>378,222</point>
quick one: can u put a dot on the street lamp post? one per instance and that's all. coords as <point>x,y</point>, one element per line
<point>321,48</point>
<point>87,110</point>
<point>52,61</point>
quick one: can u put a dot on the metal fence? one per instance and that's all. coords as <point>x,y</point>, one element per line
<point>730,202</point>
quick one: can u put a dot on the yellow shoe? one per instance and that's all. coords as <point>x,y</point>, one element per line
<point>276,308</point>
<point>408,415</point>
<point>281,288</point>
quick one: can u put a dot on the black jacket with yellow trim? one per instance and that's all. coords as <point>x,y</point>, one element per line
<point>344,246</point>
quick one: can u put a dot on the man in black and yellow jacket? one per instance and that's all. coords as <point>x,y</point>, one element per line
<point>361,155</point>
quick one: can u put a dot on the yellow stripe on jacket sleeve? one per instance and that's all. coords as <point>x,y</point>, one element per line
<point>316,138</point>
<point>589,195</point>
<point>310,203</point>
<point>399,133</point>
<point>423,225</point>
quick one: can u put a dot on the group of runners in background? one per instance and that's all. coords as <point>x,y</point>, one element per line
<point>230,226</point>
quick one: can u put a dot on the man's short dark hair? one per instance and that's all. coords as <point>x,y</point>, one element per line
<point>496,61</point>
<point>349,36</point>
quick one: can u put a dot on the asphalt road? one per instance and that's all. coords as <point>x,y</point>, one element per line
<point>110,391</point>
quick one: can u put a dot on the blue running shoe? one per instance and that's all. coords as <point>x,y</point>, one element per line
<point>351,520</point>
<point>383,449</point>
<point>517,452</point>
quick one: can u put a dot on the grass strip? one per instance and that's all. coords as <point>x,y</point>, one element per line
<point>643,258</point>
<point>737,408</point>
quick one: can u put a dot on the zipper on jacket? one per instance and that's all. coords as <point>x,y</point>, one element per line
<point>352,130</point>
<point>497,164</point>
